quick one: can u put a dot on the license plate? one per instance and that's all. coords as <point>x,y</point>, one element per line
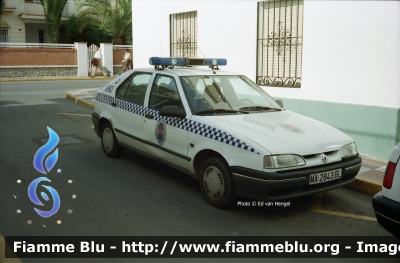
<point>325,176</point>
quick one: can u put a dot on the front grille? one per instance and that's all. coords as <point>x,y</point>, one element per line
<point>309,156</point>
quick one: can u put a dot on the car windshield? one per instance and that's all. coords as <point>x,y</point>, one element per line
<point>226,95</point>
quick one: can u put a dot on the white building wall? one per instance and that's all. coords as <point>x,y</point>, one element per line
<point>32,32</point>
<point>351,50</point>
<point>351,53</point>
<point>221,32</point>
<point>16,31</point>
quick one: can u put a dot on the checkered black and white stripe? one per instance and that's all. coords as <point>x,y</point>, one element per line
<point>185,124</point>
<point>107,99</point>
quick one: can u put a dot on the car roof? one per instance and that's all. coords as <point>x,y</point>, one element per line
<point>189,71</point>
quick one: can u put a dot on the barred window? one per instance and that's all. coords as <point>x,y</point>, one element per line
<point>279,43</point>
<point>183,34</point>
<point>3,34</point>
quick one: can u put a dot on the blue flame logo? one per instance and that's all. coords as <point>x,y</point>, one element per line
<point>32,195</point>
<point>49,163</point>
<point>44,150</point>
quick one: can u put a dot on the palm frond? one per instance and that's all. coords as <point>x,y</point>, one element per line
<point>53,11</point>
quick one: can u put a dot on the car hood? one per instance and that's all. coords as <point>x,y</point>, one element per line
<point>283,132</point>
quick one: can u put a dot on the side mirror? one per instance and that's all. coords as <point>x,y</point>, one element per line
<point>280,103</point>
<point>172,111</point>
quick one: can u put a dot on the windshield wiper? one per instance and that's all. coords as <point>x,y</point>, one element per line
<point>220,111</point>
<point>258,108</point>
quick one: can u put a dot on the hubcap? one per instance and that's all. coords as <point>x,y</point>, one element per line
<point>213,182</point>
<point>108,139</point>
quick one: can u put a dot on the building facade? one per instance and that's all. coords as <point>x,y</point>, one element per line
<point>24,21</point>
<point>334,61</point>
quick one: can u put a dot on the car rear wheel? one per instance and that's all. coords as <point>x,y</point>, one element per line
<point>109,142</point>
<point>217,184</point>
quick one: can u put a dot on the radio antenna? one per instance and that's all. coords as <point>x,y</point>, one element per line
<point>212,68</point>
<point>159,35</point>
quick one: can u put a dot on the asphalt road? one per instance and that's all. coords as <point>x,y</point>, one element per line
<point>135,196</point>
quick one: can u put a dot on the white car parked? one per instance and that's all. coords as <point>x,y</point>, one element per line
<point>386,203</point>
<point>222,129</point>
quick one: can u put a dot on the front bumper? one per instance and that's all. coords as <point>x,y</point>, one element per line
<point>387,213</point>
<point>283,185</point>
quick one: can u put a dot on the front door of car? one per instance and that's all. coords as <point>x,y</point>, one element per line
<point>165,137</point>
<point>128,123</point>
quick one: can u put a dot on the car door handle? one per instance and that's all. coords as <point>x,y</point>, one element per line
<point>148,116</point>
<point>113,104</point>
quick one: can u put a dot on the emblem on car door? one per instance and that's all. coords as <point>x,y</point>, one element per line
<point>161,132</point>
<point>324,158</point>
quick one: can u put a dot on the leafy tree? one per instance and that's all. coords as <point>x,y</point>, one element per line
<point>52,11</point>
<point>71,32</point>
<point>115,20</point>
<point>1,7</point>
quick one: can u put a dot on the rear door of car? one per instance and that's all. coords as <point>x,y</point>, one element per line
<point>128,122</point>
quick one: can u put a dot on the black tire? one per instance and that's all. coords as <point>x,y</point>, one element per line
<point>216,183</point>
<point>109,142</point>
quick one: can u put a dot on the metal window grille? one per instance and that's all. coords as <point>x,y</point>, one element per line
<point>3,34</point>
<point>280,42</point>
<point>183,34</point>
<point>41,36</point>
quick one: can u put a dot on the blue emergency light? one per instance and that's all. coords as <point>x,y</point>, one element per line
<point>171,62</point>
<point>215,62</point>
<point>155,61</point>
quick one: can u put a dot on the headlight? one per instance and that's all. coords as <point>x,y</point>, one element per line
<point>282,161</point>
<point>349,150</point>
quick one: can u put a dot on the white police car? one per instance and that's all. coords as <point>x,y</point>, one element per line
<point>222,129</point>
<point>386,203</point>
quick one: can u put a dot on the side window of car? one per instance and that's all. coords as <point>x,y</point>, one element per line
<point>134,88</point>
<point>164,93</point>
<point>120,92</point>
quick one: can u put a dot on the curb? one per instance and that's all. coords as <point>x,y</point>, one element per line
<point>360,185</point>
<point>3,246</point>
<point>77,100</point>
<point>365,186</point>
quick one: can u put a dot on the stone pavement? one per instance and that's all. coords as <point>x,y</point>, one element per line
<point>368,180</point>
<point>370,177</point>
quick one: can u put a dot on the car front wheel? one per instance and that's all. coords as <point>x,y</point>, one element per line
<point>217,184</point>
<point>109,142</point>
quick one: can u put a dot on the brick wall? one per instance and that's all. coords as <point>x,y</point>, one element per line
<point>37,56</point>
<point>118,56</point>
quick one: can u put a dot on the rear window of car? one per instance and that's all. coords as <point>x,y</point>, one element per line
<point>134,88</point>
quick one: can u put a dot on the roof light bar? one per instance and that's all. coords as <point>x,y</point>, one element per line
<point>155,61</point>
<point>215,62</point>
<point>170,62</point>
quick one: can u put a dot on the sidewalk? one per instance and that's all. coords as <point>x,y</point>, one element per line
<point>55,78</point>
<point>83,97</point>
<point>368,180</point>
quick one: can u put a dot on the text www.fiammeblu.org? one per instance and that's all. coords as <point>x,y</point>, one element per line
<point>233,247</point>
